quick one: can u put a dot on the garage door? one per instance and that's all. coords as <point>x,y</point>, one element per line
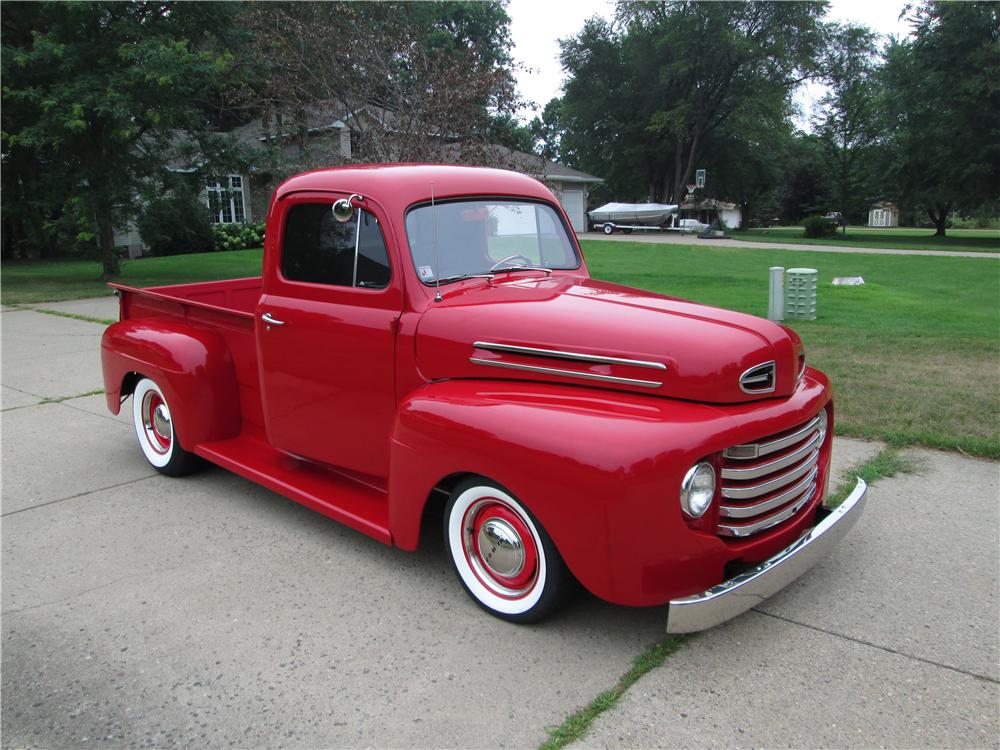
<point>572,201</point>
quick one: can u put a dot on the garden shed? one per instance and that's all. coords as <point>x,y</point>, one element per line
<point>883,215</point>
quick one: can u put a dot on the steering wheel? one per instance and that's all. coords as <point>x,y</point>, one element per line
<point>516,256</point>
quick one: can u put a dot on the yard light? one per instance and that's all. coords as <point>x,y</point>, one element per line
<point>698,489</point>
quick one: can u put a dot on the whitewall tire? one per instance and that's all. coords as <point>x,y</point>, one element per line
<point>501,554</point>
<point>154,428</point>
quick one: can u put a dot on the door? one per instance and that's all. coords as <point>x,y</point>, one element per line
<point>325,338</point>
<point>572,201</point>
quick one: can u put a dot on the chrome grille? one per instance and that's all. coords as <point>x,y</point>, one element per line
<point>766,483</point>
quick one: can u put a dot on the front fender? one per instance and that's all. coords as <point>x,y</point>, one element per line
<point>600,470</point>
<point>192,366</point>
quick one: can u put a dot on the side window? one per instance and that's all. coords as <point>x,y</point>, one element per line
<point>319,249</point>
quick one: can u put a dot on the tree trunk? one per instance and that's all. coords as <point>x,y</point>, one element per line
<point>106,239</point>
<point>674,196</point>
<point>939,215</point>
<point>685,177</point>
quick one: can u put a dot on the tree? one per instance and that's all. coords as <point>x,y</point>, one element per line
<point>847,121</point>
<point>98,93</point>
<point>942,106</point>
<point>410,76</point>
<point>806,185</point>
<point>645,93</point>
<point>548,129</point>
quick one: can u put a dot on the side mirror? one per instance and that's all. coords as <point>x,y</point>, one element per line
<point>343,210</point>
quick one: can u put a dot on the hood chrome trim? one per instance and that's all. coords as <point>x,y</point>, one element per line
<point>576,357</point>
<point>567,373</point>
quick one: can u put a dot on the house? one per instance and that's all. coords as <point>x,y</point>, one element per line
<point>328,135</point>
<point>883,215</point>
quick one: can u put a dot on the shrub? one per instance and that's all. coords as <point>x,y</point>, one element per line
<point>819,226</point>
<point>176,223</point>
<point>238,236</point>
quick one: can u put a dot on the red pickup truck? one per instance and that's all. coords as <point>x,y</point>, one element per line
<point>427,340</point>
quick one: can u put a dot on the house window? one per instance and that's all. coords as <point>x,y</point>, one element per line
<point>226,199</point>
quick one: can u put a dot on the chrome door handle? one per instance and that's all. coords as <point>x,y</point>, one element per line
<point>266,317</point>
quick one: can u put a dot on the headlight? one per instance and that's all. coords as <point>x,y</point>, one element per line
<point>698,489</point>
<point>821,426</point>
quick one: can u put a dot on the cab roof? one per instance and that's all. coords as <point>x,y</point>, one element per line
<point>401,185</point>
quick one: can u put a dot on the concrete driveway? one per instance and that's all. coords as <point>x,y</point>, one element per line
<point>139,610</point>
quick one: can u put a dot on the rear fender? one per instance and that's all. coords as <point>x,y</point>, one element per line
<point>192,366</point>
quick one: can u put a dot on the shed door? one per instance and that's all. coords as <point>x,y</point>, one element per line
<point>572,201</point>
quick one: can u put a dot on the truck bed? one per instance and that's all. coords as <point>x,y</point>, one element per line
<point>228,296</point>
<point>225,307</point>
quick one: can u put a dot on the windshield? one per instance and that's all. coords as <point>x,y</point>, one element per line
<point>477,236</point>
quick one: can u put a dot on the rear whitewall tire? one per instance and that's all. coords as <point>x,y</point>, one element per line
<point>154,429</point>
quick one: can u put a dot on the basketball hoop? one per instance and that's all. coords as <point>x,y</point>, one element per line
<point>691,188</point>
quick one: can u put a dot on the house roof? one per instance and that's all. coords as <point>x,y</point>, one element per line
<point>331,116</point>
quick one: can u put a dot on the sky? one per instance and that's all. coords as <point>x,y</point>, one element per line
<point>537,25</point>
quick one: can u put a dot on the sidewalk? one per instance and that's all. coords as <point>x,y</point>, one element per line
<point>675,238</point>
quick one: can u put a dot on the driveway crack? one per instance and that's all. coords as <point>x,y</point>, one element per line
<point>77,495</point>
<point>76,595</point>
<point>887,649</point>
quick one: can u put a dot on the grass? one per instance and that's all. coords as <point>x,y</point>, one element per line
<point>913,354</point>
<point>576,725</point>
<point>74,316</point>
<point>966,240</point>
<point>888,463</point>
<point>24,282</point>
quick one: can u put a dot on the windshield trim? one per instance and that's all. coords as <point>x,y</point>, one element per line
<point>570,234</point>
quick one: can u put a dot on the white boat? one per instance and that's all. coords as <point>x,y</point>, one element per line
<point>632,214</point>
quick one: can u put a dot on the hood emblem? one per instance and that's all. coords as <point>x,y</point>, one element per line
<point>758,379</point>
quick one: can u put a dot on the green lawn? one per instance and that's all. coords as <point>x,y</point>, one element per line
<point>967,240</point>
<point>914,354</point>
<point>48,281</point>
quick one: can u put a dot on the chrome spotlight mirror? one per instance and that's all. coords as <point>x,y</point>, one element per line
<point>343,210</point>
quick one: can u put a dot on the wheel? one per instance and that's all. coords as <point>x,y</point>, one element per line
<point>502,556</point>
<point>155,430</point>
<point>609,228</point>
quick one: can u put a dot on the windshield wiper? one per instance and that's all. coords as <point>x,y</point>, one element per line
<point>509,269</point>
<point>457,276</point>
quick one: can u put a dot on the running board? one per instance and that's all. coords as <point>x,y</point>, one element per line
<point>362,507</point>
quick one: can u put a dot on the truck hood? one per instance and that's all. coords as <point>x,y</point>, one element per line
<point>585,332</point>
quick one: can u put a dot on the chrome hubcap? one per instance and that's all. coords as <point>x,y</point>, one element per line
<point>161,420</point>
<point>500,548</point>
<point>156,422</point>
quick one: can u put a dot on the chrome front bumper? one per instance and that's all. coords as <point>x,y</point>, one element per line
<point>737,595</point>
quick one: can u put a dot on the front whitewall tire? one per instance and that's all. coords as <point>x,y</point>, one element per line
<point>501,554</point>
